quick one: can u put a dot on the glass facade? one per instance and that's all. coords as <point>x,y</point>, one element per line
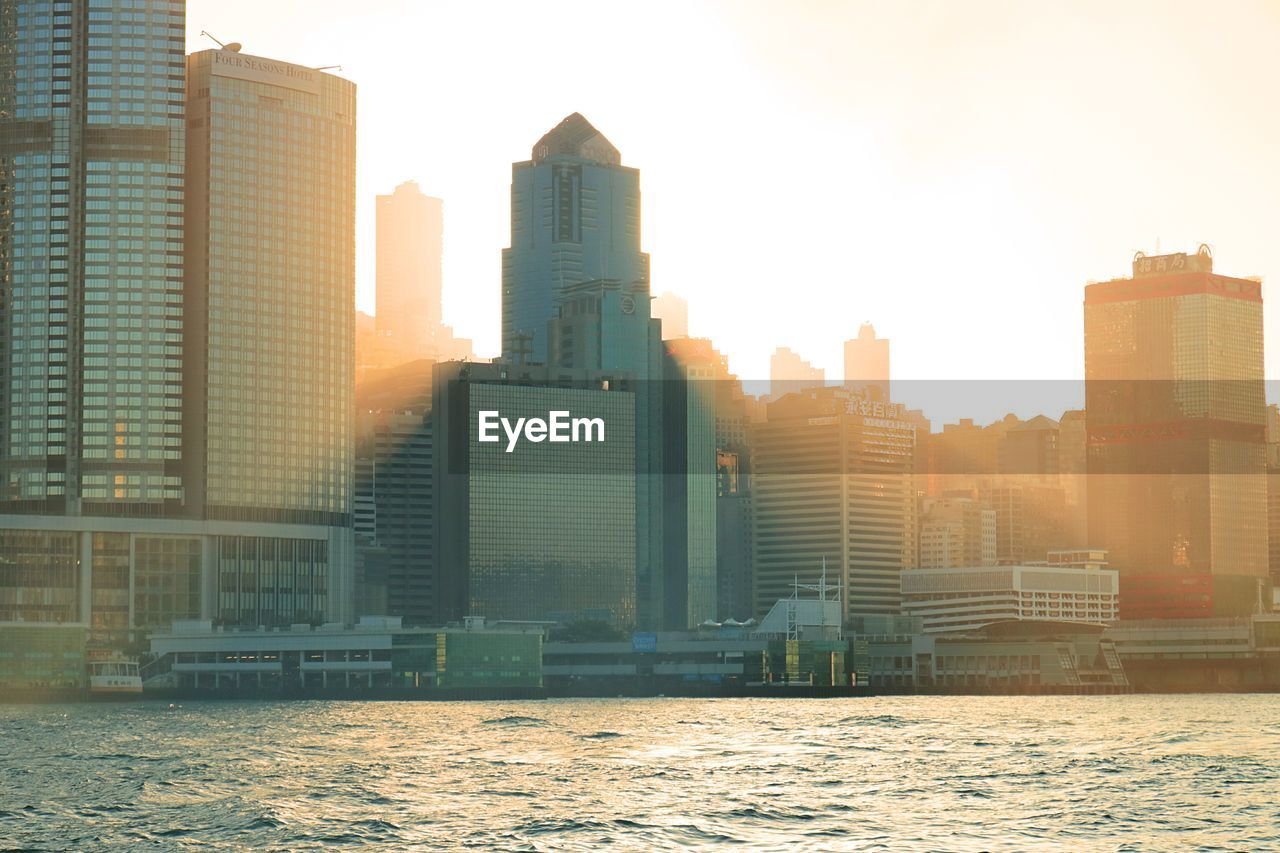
<point>166,584</point>
<point>39,576</point>
<point>271,252</point>
<point>575,217</point>
<point>91,192</point>
<point>269,581</point>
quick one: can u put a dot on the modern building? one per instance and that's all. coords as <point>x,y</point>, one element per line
<point>789,372</point>
<point>673,311</point>
<point>690,482</point>
<point>832,482</point>
<point>394,491</point>
<point>376,654</point>
<point>964,599</point>
<point>575,217</point>
<point>268,351</point>
<point>866,363</point>
<point>603,326</point>
<point>92,156</point>
<point>410,271</point>
<point>1176,415</point>
<point>1201,654</point>
<point>532,529</point>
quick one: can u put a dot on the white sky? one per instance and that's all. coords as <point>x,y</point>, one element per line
<point>953,172</point>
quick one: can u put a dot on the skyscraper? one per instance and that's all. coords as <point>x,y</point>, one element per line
<point>789,372</point>
<point>91,320</point>
<point>410,246</point>
<point>545,531</point>
<point>575,217</point>
<point>833,482</point>
<point>866,362</point>
<point>1176,412</point>
<point>270,249</point>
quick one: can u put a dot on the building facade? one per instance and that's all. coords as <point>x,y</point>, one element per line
<point>832,480</point>
<point>964,599</point>
<point>546,531</point>
<point>1176,415</point>
<point>575,217</point>
<point>866,363</point>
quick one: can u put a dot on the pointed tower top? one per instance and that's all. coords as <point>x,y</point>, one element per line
<point>575,136</point>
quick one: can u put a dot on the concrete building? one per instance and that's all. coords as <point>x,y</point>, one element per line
<point>955,532</point>
<point>866,363</point>
<point>965,599</point>
<point>1176,415</point>
<point>833,481</point>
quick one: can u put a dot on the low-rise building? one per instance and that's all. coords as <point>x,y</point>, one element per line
<point>376,653</point>
<point>964,599</point>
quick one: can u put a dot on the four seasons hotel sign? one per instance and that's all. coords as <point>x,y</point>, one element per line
<point>227,63</point>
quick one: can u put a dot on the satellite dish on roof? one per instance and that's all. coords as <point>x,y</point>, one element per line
<point>234,47</point>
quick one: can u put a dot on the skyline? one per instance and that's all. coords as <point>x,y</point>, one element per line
<point>1017,211</point>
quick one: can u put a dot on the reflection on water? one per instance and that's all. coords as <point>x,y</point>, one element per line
<point>940,772</point>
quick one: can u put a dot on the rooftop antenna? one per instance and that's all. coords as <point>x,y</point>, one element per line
<point>233,46</point>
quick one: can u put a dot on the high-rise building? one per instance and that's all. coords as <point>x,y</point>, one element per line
<point>866,362</point>
<point>575,217</point>
<point>832,482</point>
<point>689,500</point>
<point>1176,415</point>
<point>789,372</point>
<point>410,253</point>
<point>91,322</point>
<point>545,531</point>
<point>673,311</point>
<point>268,373</point>
<point>395,501</point>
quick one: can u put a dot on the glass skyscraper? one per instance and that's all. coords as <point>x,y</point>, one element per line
<point>91,192</point>
<point>129,496</point>
<point>575,217</point>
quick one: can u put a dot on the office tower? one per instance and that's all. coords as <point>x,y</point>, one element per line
<point>546,531</point>
<point>575,217</point>
<point>866,363</point>
<point>673,311</point>
<point>789,372</point>
<point>1073,443</point>
<point>833,481</point>
<point>689,501</point>
<point>964,454</point>
<point>91,322</point>
<point>1176,416</point>
<point>410,252</point>
<point>270,253</point>
<point>955,532</point>
<point>604,326</point>
<point>395,505</point>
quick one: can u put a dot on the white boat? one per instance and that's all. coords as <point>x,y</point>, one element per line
<point>113,674</point>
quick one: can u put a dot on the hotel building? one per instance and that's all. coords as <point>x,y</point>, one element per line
<point>1176,415</point>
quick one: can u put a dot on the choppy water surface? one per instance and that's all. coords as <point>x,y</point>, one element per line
<point>1128,772</point>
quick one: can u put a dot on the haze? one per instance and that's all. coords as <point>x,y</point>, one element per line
<point>953,173</point>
